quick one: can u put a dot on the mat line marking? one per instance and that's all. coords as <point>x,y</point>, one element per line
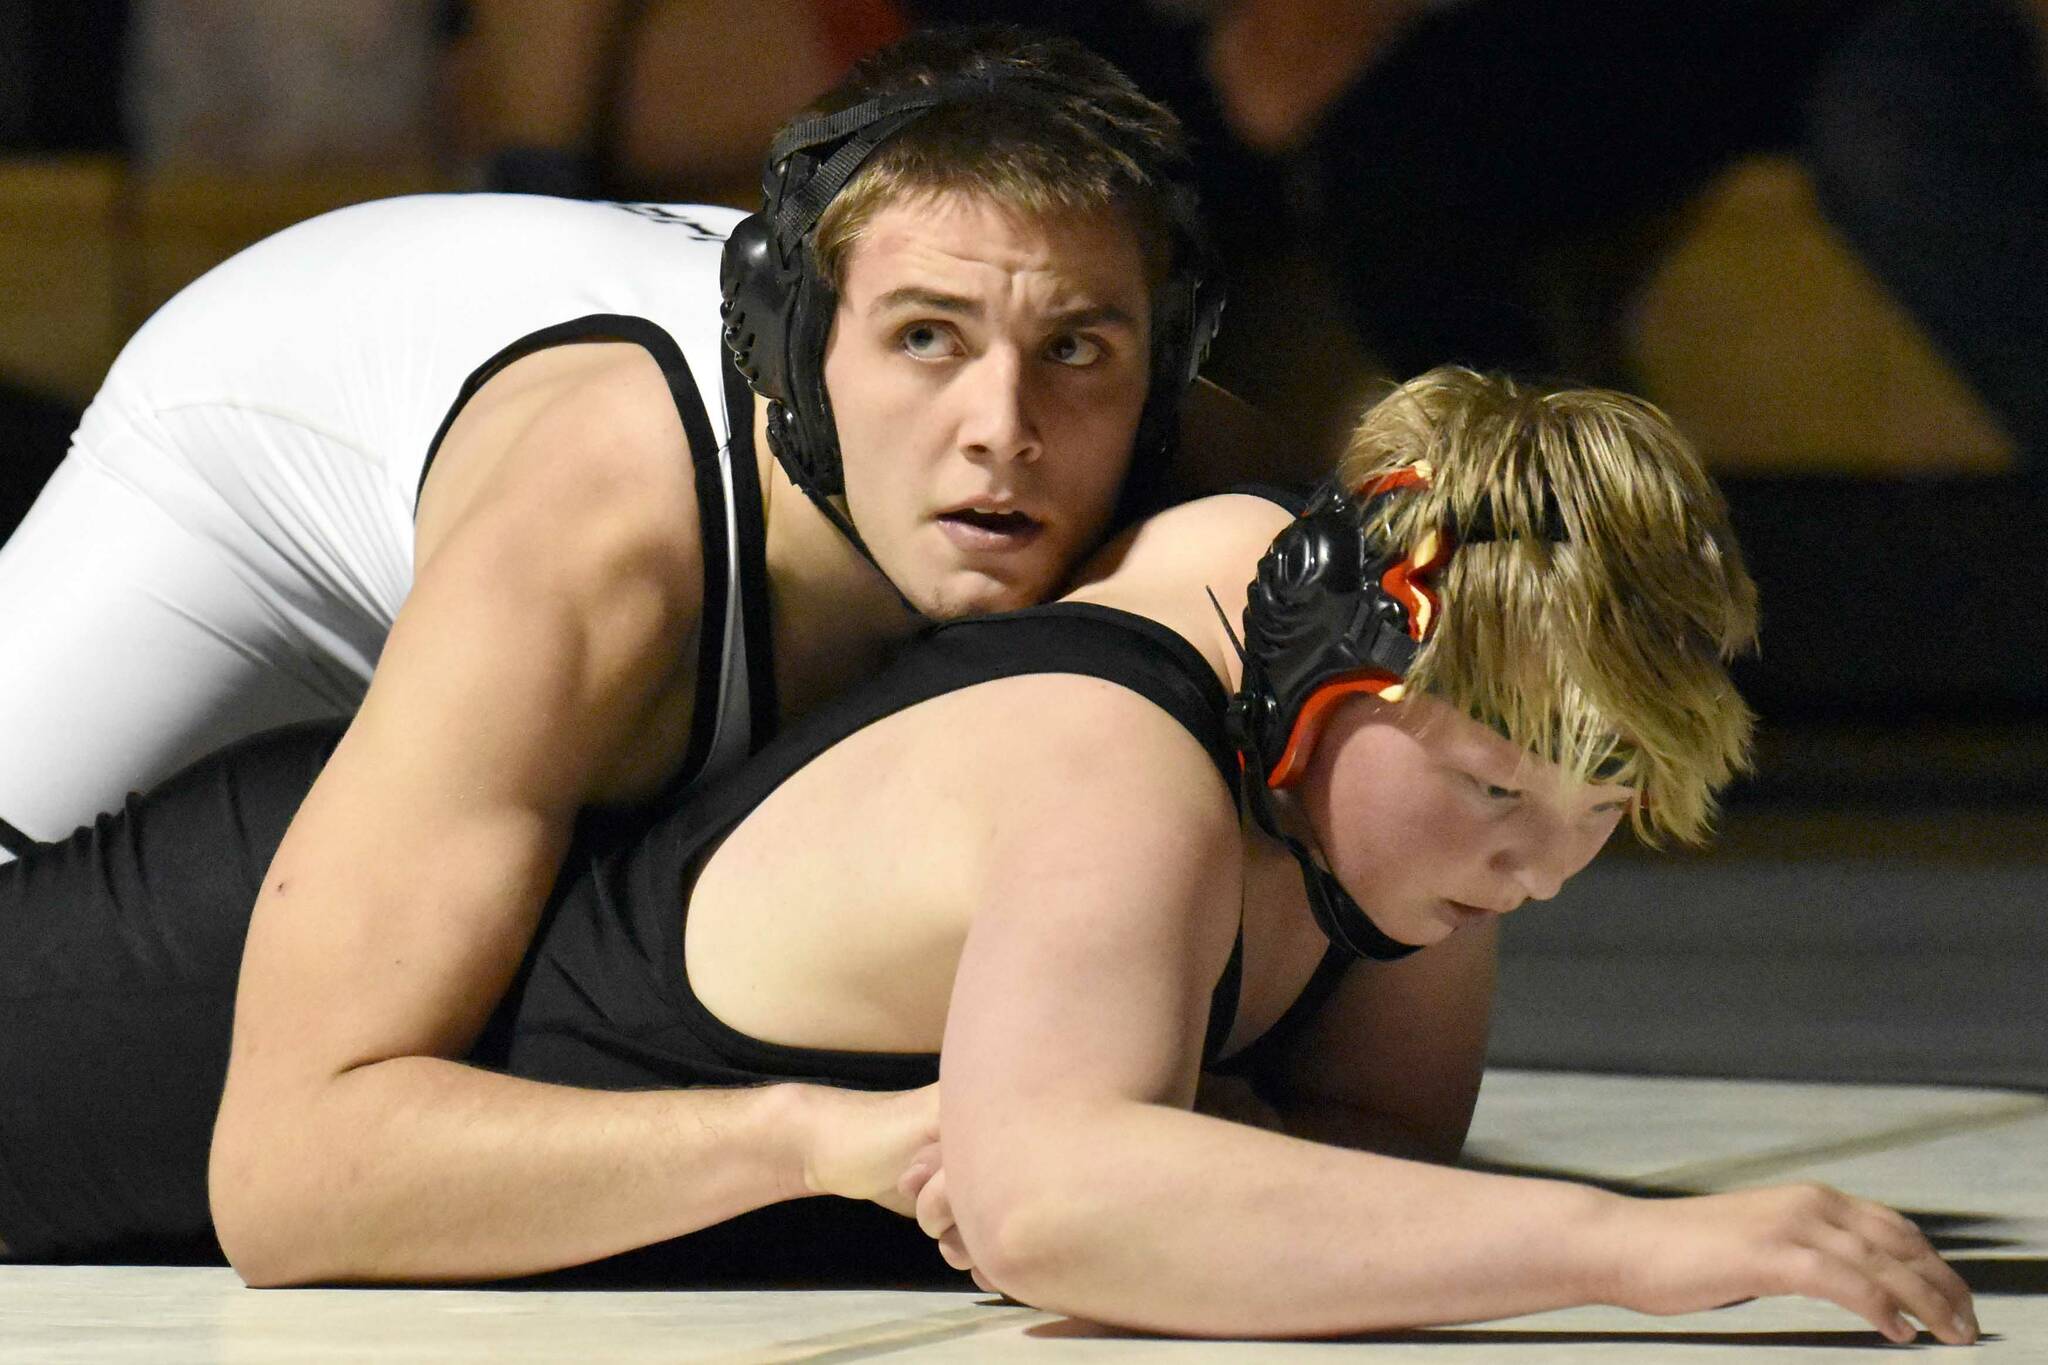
<point>1707,1175</point>
<point>887,1338</point>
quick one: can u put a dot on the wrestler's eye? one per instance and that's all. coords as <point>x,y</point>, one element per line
<point>927,341</point>
<point>1493,791</point>
<point>1075,349</point>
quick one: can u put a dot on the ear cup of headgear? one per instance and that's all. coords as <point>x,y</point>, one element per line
<point>777,309</point>
<point>1321,624</point>
<point>807,434</point>
<point>1309,602</point>
<point>1190,304</point>
<point>756,297</point>
<point>1331,615</point>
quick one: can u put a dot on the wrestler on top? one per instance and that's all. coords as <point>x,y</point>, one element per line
<point>481,465</point>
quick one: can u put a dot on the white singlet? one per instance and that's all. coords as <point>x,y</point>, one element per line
<point>229,539</point>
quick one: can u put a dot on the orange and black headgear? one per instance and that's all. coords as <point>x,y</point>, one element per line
<point>1333,613</point>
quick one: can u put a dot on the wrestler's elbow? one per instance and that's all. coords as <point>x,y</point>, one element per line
<point>1010,1242</point>
<point>250,1219</point>
<point>1019,1207</point>
<point>1052,1251</point>
<point>266,1214</point>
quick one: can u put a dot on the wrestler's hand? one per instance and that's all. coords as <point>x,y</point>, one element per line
<point>858,1142</point>
<point>924,1182</point>
<point>1708,1251</point>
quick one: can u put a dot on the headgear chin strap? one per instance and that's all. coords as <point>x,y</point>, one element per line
<point>778,305</point>
<point>1331,614</point>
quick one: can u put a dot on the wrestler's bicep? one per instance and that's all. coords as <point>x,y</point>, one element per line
<point>540,636</point>
<point>1106,908</point>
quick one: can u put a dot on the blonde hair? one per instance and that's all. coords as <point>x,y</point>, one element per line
<point>1608,650</point>
<point>1079,138</point>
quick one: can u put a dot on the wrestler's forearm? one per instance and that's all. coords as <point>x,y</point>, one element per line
<point>421,1169</point>
<point>1150,1217</point>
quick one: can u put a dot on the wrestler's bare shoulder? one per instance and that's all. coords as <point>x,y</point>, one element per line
<point>589,428</point>
<point>1168,566</point>
<point>558,530</point>
<point>832,916</point>
<point>1192,539</point>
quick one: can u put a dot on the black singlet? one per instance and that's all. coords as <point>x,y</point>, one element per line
<point>605,999</point>
<point>119,948</point>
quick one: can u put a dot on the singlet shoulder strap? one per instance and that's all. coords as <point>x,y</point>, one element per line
<point>735,706</point>
<point>1062,637</point>
<point>1104,642</point>
<point>1223,1003</point>
<point>642,332</point>
<point>1287,495</point>
<point>1260,1050</point>
<point>1076,638</point>
<point>749,513</point>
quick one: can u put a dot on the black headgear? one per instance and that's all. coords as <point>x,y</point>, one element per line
<point>778,305</point>
<point>1331,613</point>
<point>1334,613</point>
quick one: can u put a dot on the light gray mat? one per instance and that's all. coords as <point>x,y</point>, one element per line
<point>1967,1164</point>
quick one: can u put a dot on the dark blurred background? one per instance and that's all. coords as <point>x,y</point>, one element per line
<point>1812,230</point>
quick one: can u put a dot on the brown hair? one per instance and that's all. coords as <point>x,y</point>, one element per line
<point>1606,650</point>
<point>1083,141</point>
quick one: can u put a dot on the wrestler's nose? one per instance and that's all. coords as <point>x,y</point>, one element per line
<point>996,423</point>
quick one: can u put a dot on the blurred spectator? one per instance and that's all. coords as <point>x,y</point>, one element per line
<point>60,75</point>
<point>14,73</point>
<point>649,98</point>
<point>1476,144</point>
<point>538,80</point>
<point>1480,180</point>
<point>1484,180</point>
<point>1929,147</point>
<point>59,93</point>
<point>253,85</point>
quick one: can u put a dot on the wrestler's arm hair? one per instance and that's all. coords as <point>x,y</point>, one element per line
<point>551,609</point>
<point>1080,1183</point>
